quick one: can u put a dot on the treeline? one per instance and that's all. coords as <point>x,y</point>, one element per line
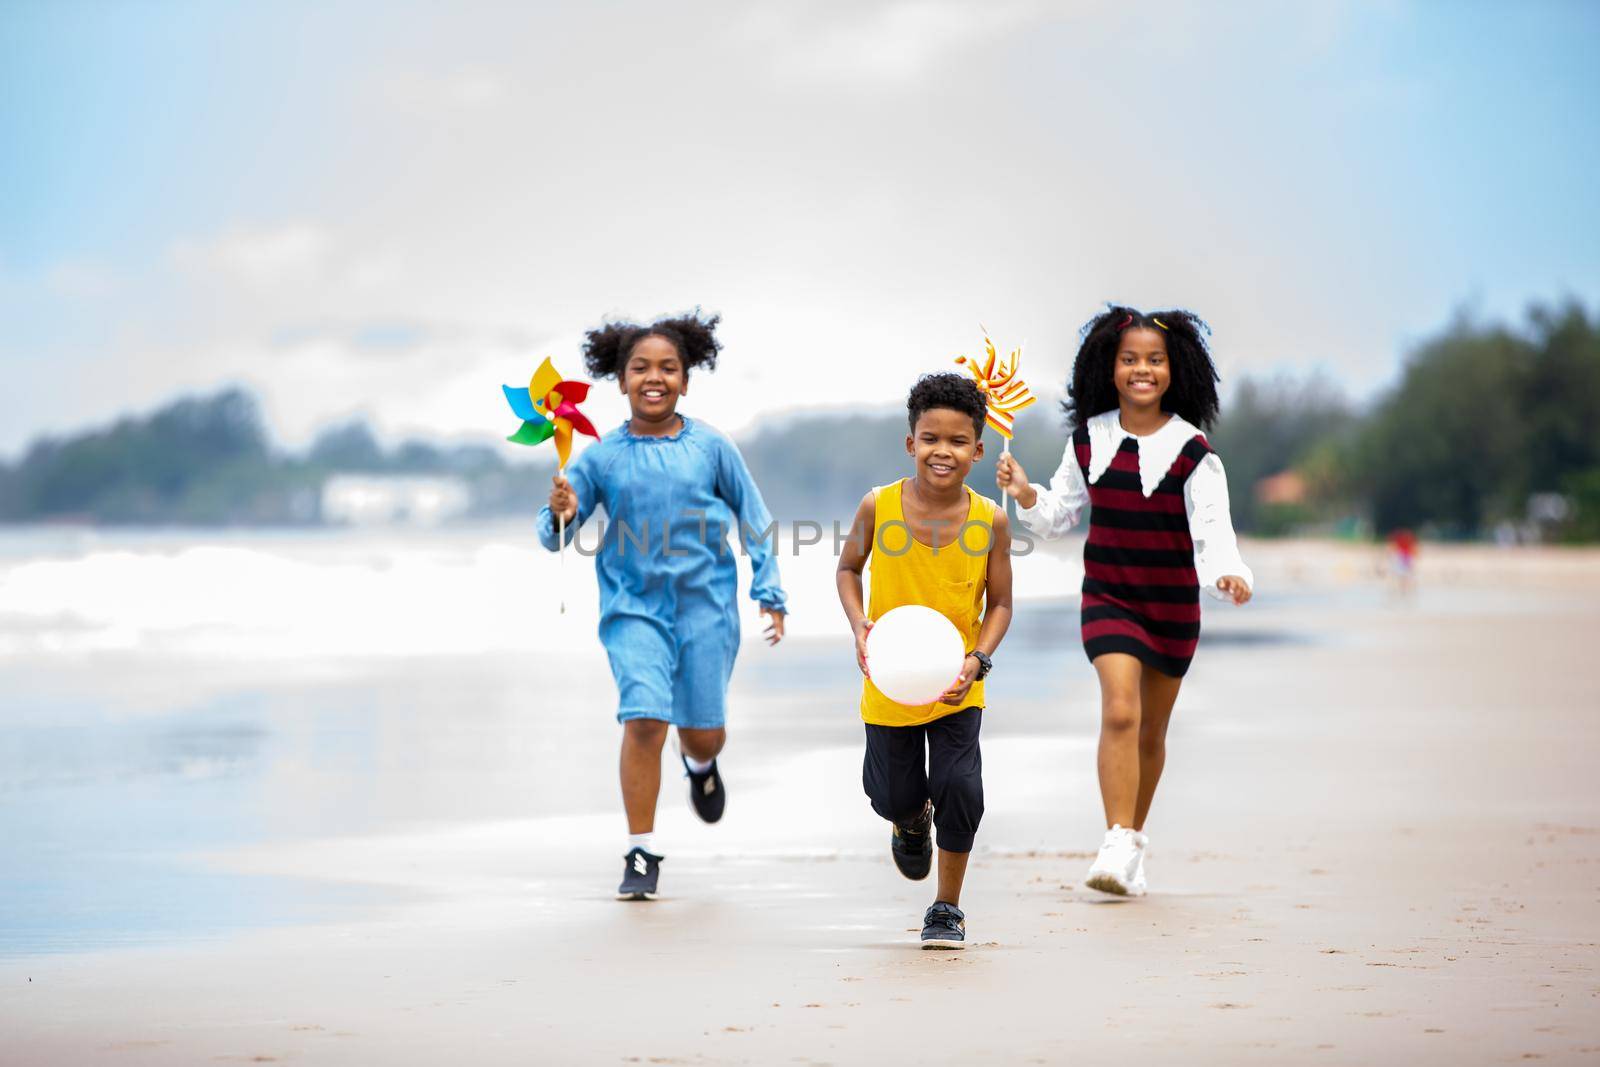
<point>209,461</point>
<point>1488,428</point>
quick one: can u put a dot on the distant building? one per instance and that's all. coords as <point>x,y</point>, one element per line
<point>1285,488</point>
<point>378,499</point>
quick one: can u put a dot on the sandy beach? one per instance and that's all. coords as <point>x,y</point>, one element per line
<point>1377,841</point>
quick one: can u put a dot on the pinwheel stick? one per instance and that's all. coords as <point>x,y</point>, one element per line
<point>561,551</point>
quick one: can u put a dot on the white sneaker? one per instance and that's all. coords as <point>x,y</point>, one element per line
<point>1136,888</point>
<point>1113,869</point>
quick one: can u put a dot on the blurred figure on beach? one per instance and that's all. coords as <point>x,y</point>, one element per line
<point>671,486</point>
<point>1402,562</point>
<point>923,766</point>
<point>1143,388</point>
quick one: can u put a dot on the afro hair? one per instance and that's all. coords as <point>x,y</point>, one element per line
<point>1192,393</point>
<point>606,350</point>
<point>948,390</point>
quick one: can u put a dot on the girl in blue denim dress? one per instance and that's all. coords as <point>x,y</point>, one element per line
<point>672,489</point>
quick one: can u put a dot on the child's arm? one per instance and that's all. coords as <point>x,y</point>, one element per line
<point>575,495</point>
<point>997,607</point>
<point>739,491</point>
<point>852,560</point>
<point>1049,511</point>
<point>1221,570</point>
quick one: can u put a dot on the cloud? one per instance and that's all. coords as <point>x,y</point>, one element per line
<point>885,44</point>
<point>259,257</point>
<point>80,280</point>
<point>464,90</point>
<point>443,384</point>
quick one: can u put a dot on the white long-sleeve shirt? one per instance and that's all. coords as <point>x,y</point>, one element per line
<point>1205,494</point>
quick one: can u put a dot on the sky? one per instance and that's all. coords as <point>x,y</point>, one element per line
<point>385,210</point>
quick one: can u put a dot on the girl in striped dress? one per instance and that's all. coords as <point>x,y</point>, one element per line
<point>1142,388</point>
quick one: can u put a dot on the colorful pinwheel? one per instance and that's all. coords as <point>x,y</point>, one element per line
<point>548,408</point>
<point>998,382</point>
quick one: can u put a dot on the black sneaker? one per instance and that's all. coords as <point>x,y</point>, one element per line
<point>707,794</point>
<point>640,871</point>
<point>912,845</point>
<point>944,926</point>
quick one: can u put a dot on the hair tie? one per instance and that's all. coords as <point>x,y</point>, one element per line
<point>1123,325</point>
<point>1159,323</point>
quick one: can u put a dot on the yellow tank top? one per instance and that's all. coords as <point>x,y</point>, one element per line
<point>951,580</point>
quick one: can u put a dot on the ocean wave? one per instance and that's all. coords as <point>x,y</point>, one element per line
<point>278,595</point>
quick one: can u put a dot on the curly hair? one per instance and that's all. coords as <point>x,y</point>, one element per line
<point>606,350</point>
<point>948,390</point>
<point>1192,393</point>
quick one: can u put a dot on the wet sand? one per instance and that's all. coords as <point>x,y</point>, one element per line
<point>1378,840</point>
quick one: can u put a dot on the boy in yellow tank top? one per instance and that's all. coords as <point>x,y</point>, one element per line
<point>932,541</point>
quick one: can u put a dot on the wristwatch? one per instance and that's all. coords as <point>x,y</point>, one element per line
<point>985,665</point>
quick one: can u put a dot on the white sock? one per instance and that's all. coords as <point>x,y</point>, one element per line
<point>644,841</point>
<point>696,766</point>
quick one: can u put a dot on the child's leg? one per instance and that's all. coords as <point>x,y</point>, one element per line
<point>955,781</point>
<point>1119,735</point>
<point>640,770</point>
<point>703,665</point>
<point>642,658</point>
<point>894,772</point>
<point>1157,693</point>
<point>952,872</point>
<point>701,744</point>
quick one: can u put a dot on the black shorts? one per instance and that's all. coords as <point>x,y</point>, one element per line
<point>907,766</point>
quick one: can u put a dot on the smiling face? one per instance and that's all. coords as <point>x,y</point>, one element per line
<point>945,444</point>
<point>653,378</point>
<point>1142,372</point>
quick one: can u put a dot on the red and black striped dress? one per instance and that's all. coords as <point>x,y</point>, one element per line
<point>1141,595</point>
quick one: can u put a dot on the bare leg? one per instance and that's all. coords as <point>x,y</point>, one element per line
<point>640,770</point>
<point>702,745</point>
<point>952,872</point>
<point>1157,693</point>
<point>1119,735</point>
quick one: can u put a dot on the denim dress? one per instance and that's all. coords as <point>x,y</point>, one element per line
<point>667,574</point>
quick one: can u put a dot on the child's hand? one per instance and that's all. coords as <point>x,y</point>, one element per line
<point>774,632</point>
<point>563,501</point>
<point>861,646</point>
<point>1235,587</point>
<point>958,692</point>
<point>1009,475</point>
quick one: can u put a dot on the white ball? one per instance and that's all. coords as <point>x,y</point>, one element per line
<point>914,654</point>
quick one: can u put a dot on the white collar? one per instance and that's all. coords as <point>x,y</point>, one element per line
<point>1157,451</point>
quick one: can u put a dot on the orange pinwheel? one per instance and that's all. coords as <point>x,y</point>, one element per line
<point>1004,392</point>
